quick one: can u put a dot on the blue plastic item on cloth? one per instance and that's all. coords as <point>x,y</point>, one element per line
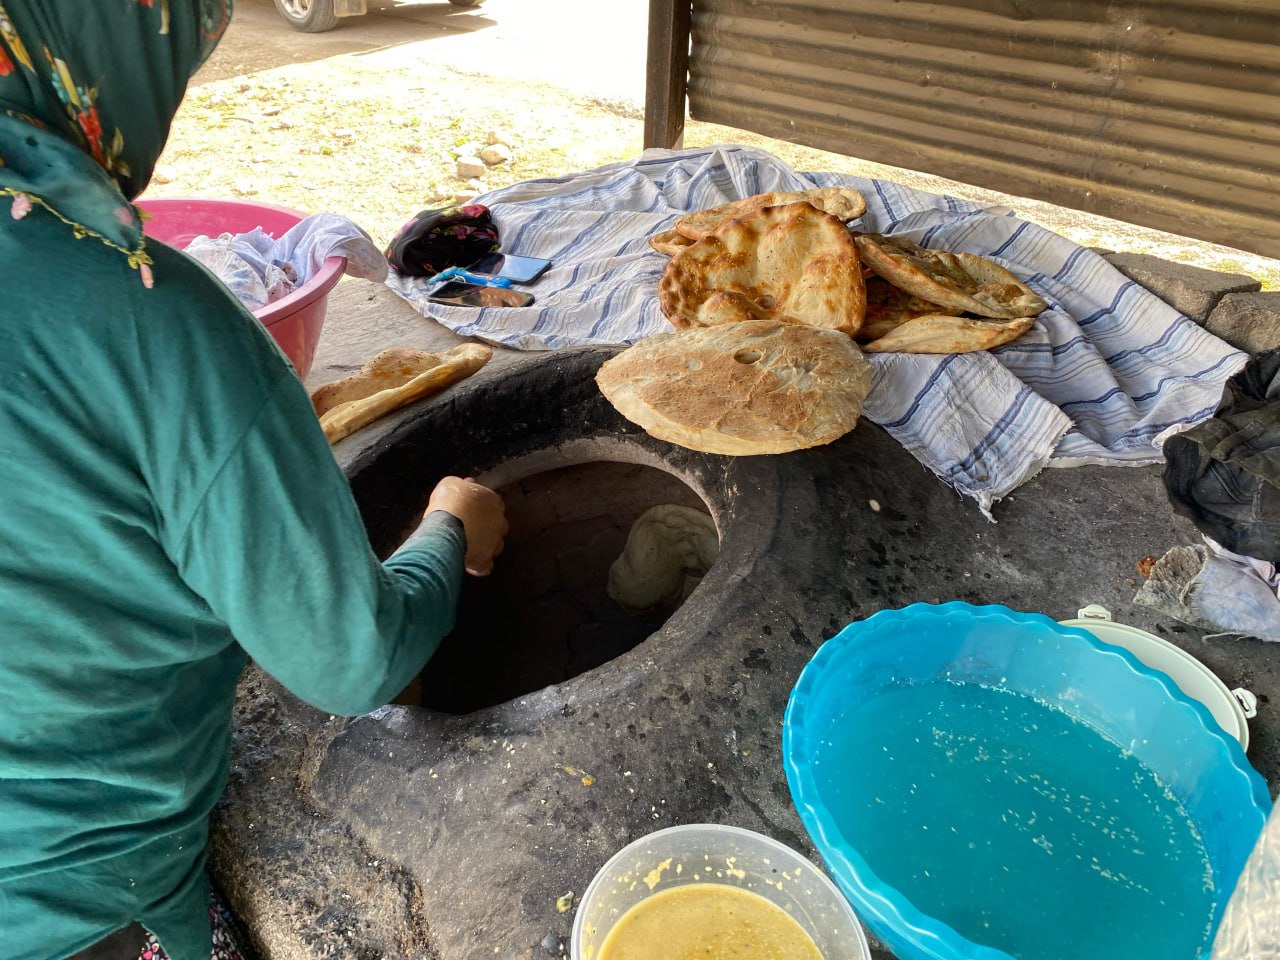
<point>1049,676</point>
<point>466,276</point>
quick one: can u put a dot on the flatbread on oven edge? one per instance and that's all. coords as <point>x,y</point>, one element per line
<point>758,387</point>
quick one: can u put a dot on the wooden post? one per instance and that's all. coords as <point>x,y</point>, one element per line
<point>667,72</point>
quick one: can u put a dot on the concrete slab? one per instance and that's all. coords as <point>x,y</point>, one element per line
<point>1191,291</point>
<point>363,319</point>
<point>1249,321</point>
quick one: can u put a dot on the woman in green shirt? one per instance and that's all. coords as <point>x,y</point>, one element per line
<point>169,504</point>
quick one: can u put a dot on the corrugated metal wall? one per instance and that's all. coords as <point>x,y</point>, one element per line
<point>1163,112</point>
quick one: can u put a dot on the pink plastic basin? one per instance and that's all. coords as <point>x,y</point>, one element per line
<point>294,322</point>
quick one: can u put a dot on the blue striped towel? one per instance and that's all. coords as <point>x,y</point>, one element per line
<point>1104,370</point>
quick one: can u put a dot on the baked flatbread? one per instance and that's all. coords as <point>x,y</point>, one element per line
<point>957,281</point>
<point>669,242</point>
<point>840,202</point>
<point>740,389</point>
<point>889,308</point>
<point>792,263</point>
<point>343,419</point>
<point>940,334</point>
<point>391,368</point>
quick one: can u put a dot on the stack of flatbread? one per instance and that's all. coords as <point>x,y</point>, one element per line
<point>934,301</point>
<point>839,202</point>
<point>768,296</point>
<point>791,262</point>
<point>790,257</point>
<point>394,378</point>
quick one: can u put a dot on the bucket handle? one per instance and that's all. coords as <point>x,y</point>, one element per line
<point>1247,700</point>
<point>1094,611</point>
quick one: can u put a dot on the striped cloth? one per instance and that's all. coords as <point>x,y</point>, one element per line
<point>1104,370</point>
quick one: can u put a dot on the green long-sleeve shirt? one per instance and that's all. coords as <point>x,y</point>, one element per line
<point>168,504</point>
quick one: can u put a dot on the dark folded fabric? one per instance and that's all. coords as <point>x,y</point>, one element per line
<point>447,237</point>
<point>1224,474</point>
<point>125,944</point>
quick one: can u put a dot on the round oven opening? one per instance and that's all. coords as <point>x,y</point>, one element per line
<point>598,557</point>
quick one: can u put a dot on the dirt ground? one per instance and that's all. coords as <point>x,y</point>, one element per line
<point>360,122</point>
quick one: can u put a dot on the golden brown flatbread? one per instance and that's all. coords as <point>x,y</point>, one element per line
<point>942,334</point>
<point>840,202</point>
<point>669,242</point>
<point>740,389</point>
<point>957,281</point>
<point>343,419</point>
<point>792,263</point>
<point>889,308</point>
<point>390,368</point>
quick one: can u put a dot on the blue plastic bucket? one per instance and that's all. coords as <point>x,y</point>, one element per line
<point>1105,687</point>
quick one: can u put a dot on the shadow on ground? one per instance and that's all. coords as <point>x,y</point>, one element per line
<point>262,40</point>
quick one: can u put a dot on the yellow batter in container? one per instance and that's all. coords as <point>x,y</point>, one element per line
<point>707,921</point>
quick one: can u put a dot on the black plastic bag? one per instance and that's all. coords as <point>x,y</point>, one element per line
<point>437,239</point>
<point>1224,474</point>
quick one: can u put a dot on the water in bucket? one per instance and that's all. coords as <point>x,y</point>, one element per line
<point>1020,827</point>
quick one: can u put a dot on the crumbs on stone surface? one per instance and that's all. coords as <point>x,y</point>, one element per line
<point>565,903</point>
<point>587,779</point>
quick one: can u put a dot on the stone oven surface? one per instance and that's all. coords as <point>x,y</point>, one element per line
<point>413,833</point>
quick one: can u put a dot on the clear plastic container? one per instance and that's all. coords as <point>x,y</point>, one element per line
<point>1250,928</point>
<point>710,853</point>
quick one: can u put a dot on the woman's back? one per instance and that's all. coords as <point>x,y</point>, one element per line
<point>119,405</point>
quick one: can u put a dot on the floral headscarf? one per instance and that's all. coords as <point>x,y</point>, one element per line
<point>105,76</point>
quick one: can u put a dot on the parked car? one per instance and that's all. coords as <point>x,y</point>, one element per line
<point>316,16</point>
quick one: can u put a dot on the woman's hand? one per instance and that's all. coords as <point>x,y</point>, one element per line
<point>483,516</point>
